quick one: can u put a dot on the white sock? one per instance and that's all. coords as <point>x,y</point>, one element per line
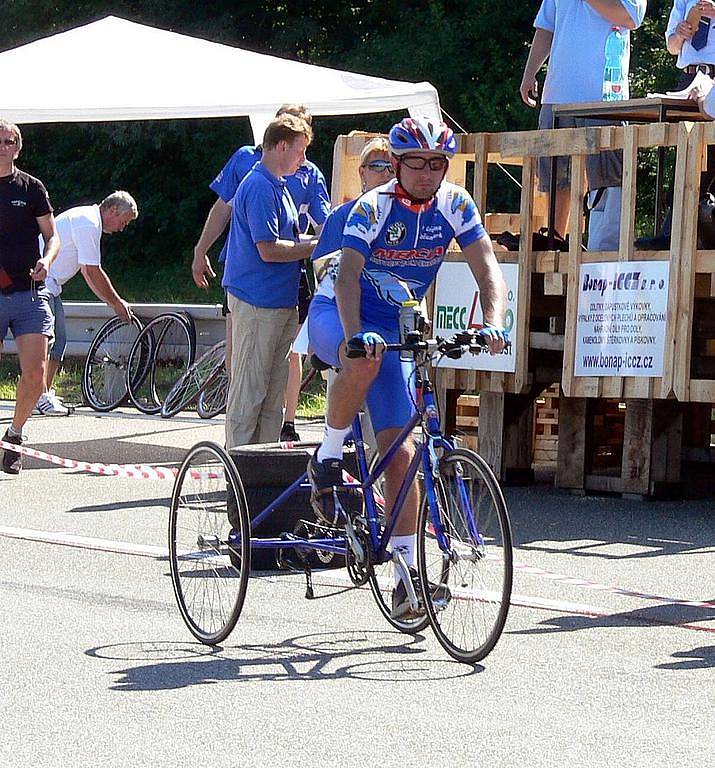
<point>332,445</point>
<point>15,433</point>
<point>407,546</point>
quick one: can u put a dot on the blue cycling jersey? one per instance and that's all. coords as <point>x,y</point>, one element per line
<point>404,243</point>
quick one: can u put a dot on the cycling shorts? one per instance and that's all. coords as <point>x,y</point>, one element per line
<point>390,398</point>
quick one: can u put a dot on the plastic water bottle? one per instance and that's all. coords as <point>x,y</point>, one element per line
<point>614,78</point>
<point>409,322</point>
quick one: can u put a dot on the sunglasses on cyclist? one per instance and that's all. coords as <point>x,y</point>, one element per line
<point>417,163</point>
<point>380,166</point>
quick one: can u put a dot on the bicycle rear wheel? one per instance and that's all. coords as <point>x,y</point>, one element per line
<point>173,341</point>
<point>195,380</point>
<point>210,557</point>
<point>382,578</point>
<point>104,380</point>
<point>465,553</point>
<point>212,400</point>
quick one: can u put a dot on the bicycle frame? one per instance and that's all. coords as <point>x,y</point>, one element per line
<point>425,455</point>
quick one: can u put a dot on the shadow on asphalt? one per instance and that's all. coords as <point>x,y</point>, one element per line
<point>319,657</point>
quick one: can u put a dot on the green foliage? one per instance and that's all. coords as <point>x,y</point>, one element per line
<point>473,51</point>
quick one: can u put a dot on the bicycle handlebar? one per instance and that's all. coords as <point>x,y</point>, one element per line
<point>454,347</point>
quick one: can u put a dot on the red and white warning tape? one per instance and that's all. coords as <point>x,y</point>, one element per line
<point>588,584</point>
<point>130,471</point>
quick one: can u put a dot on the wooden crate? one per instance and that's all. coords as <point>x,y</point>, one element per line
<point>546,428</point>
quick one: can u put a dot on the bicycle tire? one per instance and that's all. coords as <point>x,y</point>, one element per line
<point>480,566</point>
<point>212,400</point>
<point>382,579</point>
<point>195,380</point>
<point>104,384</point>
<point>209,556</point>
<point>173,342</point>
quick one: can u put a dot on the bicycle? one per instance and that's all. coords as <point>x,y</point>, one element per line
<point>464,549</point>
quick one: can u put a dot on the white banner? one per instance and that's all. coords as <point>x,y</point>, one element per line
<point>457,308</point>
<point>620,328</point>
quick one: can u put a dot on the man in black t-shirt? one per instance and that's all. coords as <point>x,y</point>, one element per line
<point>25,213</point>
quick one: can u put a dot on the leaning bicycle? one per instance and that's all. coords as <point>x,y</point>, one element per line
<point>464,546</point>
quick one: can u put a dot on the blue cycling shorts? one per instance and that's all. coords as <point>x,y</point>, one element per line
<point>390,398</point>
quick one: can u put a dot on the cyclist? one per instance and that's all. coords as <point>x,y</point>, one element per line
<point>395,238</point>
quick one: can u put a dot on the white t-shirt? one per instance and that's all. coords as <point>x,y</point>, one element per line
<point>578,48</point>
<point>80,230</point>
<point>688,55</point>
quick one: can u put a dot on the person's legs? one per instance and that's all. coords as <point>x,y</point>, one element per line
<point>32,352</point>
<point>248,382</point>
<point>282,332</point>
<point>292,393</point>
<point>59,344</point>
<point>562,192</point>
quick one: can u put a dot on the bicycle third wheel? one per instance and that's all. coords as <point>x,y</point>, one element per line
<point>210,556</point>
<point>104,378</point>
<point>212,399</point>
<point>467,577</point>
<point>195,380</point>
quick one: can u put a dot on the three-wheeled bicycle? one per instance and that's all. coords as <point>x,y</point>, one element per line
<point>464,551</point>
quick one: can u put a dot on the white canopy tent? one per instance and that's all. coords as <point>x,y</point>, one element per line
<point>114,69</point>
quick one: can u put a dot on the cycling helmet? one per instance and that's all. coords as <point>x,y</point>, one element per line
<point>422,134</point>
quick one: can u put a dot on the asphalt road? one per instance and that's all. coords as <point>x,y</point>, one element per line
<point>599,664</point>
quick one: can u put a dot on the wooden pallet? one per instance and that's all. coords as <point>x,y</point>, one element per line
<point>546,427</point>
<point>467,420</point>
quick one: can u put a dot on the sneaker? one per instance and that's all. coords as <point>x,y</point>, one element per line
<point>51,405</point>
<point>288,433</point>
<point>11,460</point>
<point>325,477</point>
<point>401,609</point>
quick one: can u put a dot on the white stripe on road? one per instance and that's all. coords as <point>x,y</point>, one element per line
<point>328,578</point>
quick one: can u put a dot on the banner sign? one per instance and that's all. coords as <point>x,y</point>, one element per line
<point>620,327</point>
<point>457,308</point>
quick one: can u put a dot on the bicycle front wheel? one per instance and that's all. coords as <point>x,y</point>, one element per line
<point>210,555</point>
<point>465,557</point>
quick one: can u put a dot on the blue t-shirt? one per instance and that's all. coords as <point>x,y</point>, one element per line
<point>404,243</point>
<point>578,48</point>
<point>263,211</point>
<point>307,185</point>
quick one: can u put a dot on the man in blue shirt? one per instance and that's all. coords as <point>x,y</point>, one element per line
<point>261,281</point>
<point>309,191</point>
<point>572,34</point>
<point>395,239</point>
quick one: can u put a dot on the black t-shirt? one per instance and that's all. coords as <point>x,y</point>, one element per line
<point>23,199</point>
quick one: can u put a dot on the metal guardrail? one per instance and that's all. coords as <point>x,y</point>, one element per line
<point>84,318</point>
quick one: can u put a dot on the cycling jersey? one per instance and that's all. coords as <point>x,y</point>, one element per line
<point>404,243</point>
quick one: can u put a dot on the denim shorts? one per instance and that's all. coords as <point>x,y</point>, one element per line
<point>390,397</point>
<point>26,312</point>
<point>59,345</point>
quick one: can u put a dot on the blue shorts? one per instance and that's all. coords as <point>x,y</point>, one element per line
<point>390,397</point>
<point>26,312</point>
<point>59,345</point>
